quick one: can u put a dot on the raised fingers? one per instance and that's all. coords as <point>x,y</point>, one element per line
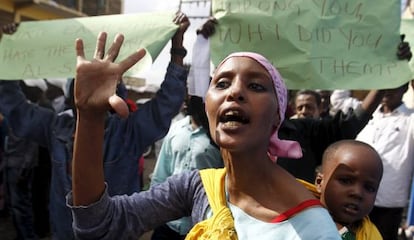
<point>100,45</point>
<point>79,49</point>
<point>404,51</point>
<point>178,17</point>
<point>113,51</point>
<point>132,59</point>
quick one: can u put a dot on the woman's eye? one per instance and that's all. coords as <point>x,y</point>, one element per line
<point>257,87</point>
<point>222,84</point>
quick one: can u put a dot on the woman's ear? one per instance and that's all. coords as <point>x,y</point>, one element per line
<point>318,182</point>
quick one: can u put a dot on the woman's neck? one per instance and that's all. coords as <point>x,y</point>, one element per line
<point>245,174</point>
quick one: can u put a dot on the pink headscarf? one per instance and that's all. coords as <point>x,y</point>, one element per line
<point>277,147</point>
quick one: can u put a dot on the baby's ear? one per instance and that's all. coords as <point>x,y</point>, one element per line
<point>318,182</point>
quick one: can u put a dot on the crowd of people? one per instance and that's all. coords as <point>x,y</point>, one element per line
<point>246,162</point>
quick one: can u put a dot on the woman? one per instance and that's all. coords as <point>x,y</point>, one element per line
<point>251,198</point>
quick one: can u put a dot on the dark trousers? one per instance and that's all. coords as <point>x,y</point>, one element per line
<point>387,220</point>
<point>163,232</point>
<point>19,197</point>
<point>40,193</point>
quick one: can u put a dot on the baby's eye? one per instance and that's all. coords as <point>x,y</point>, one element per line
<point>257,87</point>
<point>370,188</point>
<point>345,181</point>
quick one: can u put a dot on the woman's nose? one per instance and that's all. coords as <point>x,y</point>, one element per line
<point>236,92</point>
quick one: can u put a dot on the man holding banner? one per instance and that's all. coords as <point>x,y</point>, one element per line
<point>125,139</point>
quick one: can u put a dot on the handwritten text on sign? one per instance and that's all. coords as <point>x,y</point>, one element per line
<point>43,49</point>
<point>325,44</point>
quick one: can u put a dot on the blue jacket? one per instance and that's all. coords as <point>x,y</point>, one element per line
<point>4,130</point>
<point>125,140</point>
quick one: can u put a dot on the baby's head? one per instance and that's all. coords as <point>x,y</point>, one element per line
<point>348,180</point>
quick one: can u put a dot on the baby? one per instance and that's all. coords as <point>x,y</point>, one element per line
<point>347,185</point>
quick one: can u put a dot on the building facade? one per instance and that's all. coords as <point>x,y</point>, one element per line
<point>25,10</point>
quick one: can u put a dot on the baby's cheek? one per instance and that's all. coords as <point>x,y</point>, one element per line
<point>369,203</point>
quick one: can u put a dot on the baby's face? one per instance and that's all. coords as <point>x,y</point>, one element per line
<point>350,183</point>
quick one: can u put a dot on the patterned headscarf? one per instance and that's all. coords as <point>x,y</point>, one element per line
<point>277,147</point>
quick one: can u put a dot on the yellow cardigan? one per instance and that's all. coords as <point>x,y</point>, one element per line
<point>221,225</point>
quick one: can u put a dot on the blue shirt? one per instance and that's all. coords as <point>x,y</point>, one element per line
<point>185,149</point>
<point>4,130</point>
<point>125,140</point>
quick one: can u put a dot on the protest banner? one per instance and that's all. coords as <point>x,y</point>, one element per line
<point>46,49</point>
<point>316,44</point>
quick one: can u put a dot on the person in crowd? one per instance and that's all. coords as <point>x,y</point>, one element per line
<point>56,93</point>
<point>325,103</point>
<point>308,104</point>
<point>21,158</point>
<point>342,100</point>
<point>36,91</point>
<point>347,185</point>
<point>245,105</point>
<point>132,107</point>
<point>315,135</point>
<point>142,128</point>
<point>186,147</point>
<point>391,133</point>
<point>21,161</point>
<point>9,28</point>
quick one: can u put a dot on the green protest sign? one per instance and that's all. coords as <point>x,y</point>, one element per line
<point>316,44</point>
<point>46,49</point>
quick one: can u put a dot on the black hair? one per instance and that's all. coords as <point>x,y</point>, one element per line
<point>315,94</point>
<point>33,94</point>
<point>334,147</point>
<point>196,109</point>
